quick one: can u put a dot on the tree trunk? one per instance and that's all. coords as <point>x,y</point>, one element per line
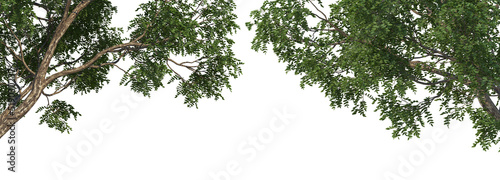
<point>8,119</point>
<point>5,119</point>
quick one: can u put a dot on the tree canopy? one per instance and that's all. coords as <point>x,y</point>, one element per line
<point>48,46</point>
<point>357,51</point>
<point>383,51</point>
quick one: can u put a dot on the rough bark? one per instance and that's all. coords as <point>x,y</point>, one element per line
<point>8,118</point>
<point>35,89</point>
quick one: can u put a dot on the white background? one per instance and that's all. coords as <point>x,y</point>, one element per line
<point>160,138</point>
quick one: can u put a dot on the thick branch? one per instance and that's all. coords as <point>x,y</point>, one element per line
<point>41,6</point>
<point>429,82</point>
<point>61,29</point>
<point>489,106</point>
<point>66,10</point>
<point>38,84</point>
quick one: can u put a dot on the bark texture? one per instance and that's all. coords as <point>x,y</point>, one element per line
<point>9,117</point>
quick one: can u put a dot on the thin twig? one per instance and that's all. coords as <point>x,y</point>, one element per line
<point>20,47</point>
<point>62,88</point>
<point>175,72</point>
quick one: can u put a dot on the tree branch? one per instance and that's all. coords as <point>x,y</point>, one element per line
<point>175,72</point>
<point>39,83</point>
<point>62,88</point>
<point>114,64</point>
<point>20,47</point>
<point>181,64</point>
<point>488,105</point>
<point>60,31</point>
<point>11,51</point>
<point>443,55</point>
<point>90,62</point>
<point>41,6</point>
<point>326,20</point>
<point>66,10</point>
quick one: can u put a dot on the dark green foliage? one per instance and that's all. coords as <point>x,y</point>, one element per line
<point>371,49</point>
<point>201,33</point>
<point>166,30</point>
<point>56,115</point>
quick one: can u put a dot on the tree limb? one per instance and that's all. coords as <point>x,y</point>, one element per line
<point>181,64</point>
<point>38,84</point>
<point>41,6</point>
<point>90,62</point>
<point>60,31</point>
<point>443,55</point>
<point>66,10</point>
<point>326,20</point>
<point>20,47</point>
<point>175,72</point>
<point>488,105</point>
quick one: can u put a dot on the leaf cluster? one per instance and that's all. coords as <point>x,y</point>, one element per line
<point>360,50</point>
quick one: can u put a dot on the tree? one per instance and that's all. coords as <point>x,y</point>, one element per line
<point>382,51</point>
<point>48,46</point>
